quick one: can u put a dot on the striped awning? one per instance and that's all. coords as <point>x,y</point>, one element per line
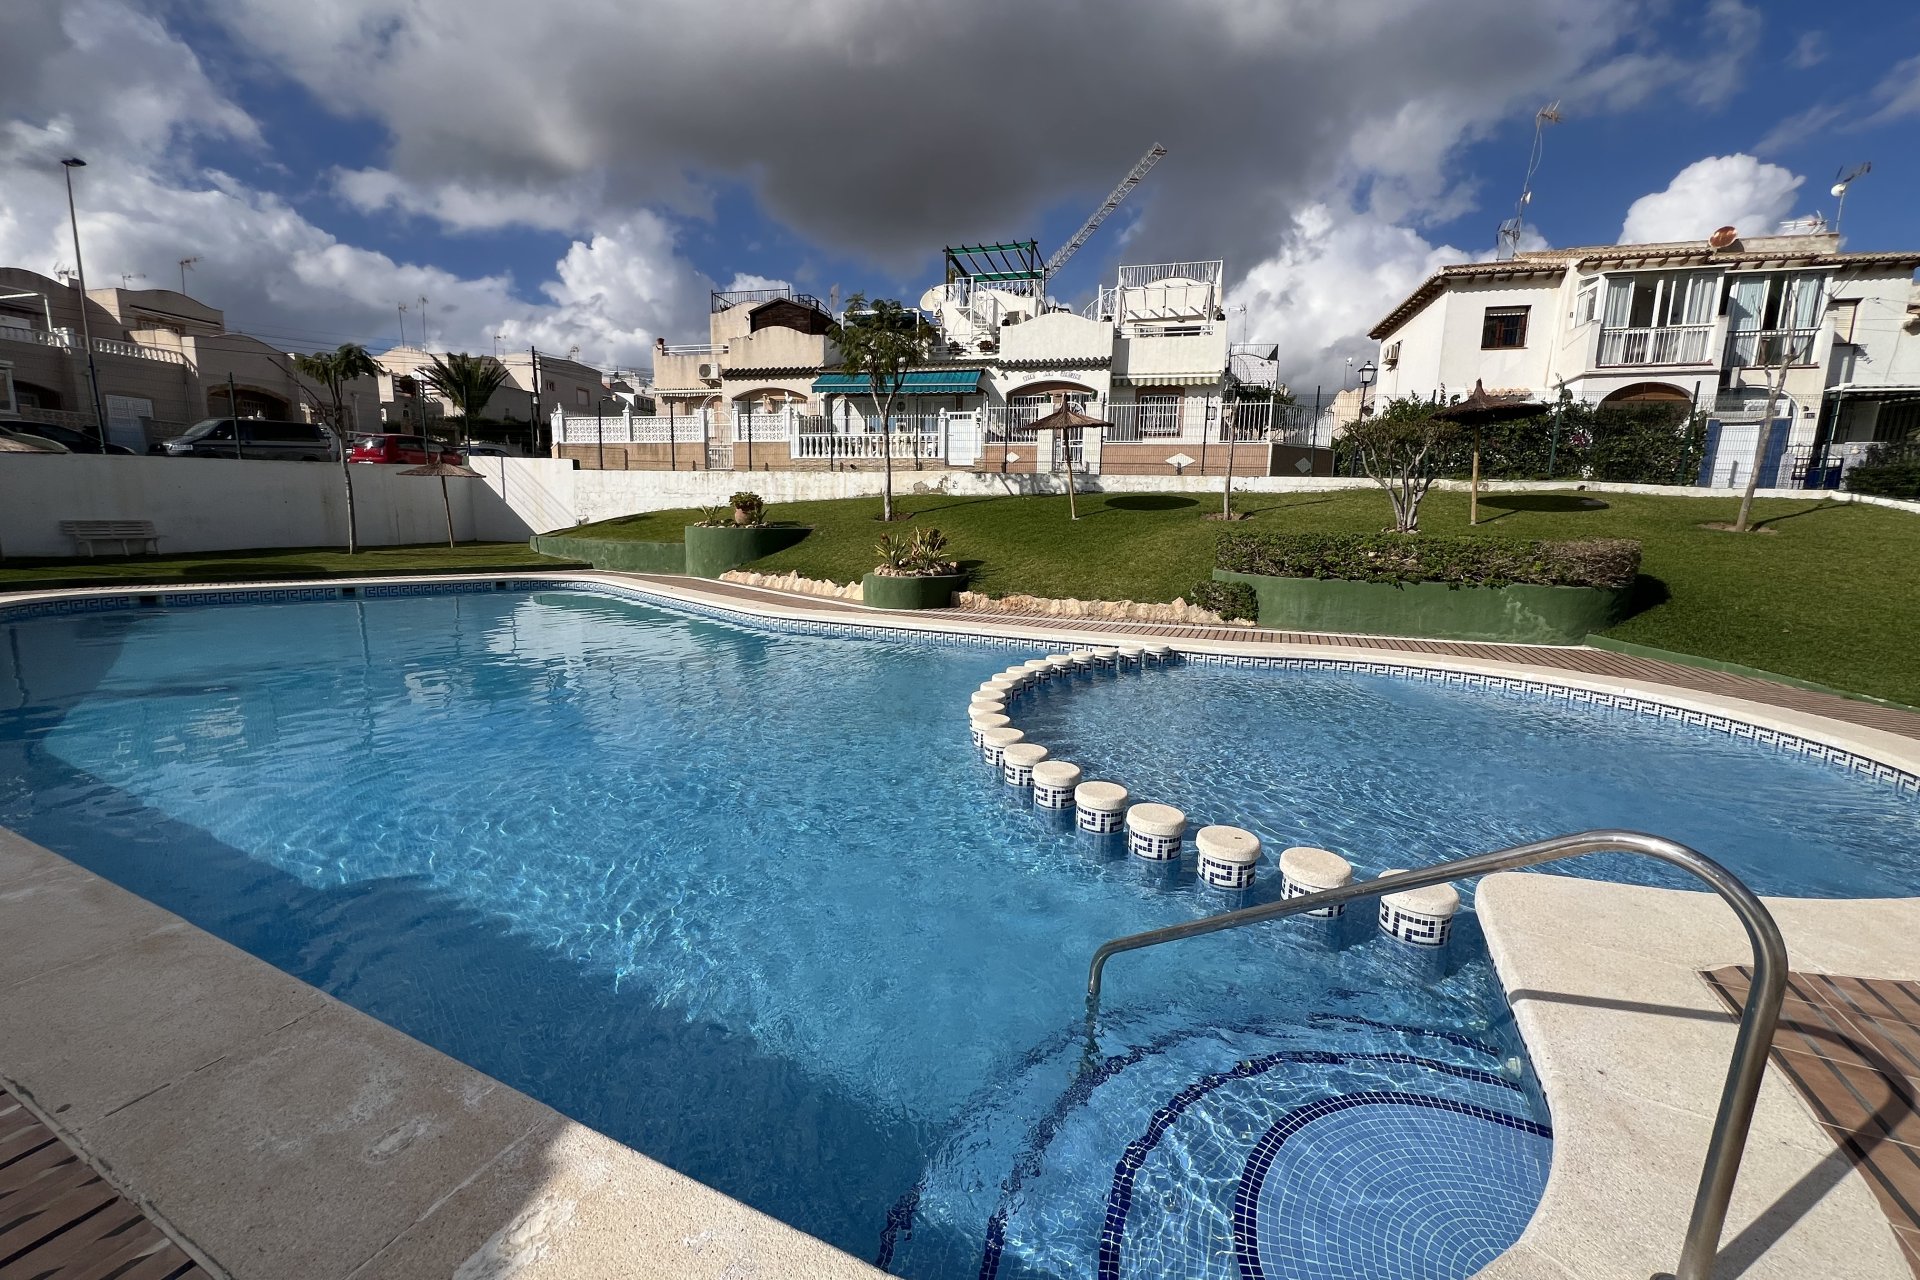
<point>919,382</point>
<point>1192,378</point>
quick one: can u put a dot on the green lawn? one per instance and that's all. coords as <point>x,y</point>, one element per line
<point>1831,595</point>
<point>241,566</point>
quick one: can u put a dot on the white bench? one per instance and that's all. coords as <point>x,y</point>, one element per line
<point>127,533</point>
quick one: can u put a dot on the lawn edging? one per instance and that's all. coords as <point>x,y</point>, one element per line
<point>1518,613</point>
<point>621,555</point>
<point>925,591</point>
<point>1633,650</point>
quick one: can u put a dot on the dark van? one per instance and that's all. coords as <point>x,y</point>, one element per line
<point>264,439</point>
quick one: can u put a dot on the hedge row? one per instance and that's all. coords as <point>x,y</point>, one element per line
<point>1886,480</point>
<point>1231,600</point>
<point>1390,557</point>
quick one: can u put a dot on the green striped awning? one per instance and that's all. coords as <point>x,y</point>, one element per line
<point>919,382</point>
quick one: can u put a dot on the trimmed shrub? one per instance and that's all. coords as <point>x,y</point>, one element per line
<point>1888,471</point>
<point>1231,600</point>
<point>1461,562</point>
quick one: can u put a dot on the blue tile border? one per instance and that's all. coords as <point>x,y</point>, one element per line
<point>1790,742</point>
<point>1246,1198</point>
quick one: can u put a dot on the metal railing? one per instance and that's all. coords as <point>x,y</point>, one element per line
<point>1674,344</point>
<point>696,349</point>
<point>833,446</point>
<point>1757,1018</point>
<point>1769,347</point>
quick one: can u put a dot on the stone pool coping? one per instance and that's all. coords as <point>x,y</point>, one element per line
<point>223,1094</point>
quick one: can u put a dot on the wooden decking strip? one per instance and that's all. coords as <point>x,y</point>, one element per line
<point>1851,1048</point>
<point>1596,662</point>
<point>59,1220</point>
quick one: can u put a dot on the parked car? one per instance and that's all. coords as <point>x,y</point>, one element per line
<point>491,451</point>
<point>412,450</point>
<point>264,439</point>
<point>75,441</point>
<point>39,442</point>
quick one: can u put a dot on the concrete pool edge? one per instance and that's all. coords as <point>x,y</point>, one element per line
<point>285,1135</point>
<point>593,1198</point>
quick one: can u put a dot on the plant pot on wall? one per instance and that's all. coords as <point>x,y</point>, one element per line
<point>921,591</point>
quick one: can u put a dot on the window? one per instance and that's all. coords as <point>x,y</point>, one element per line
<point>1587,305</point>
<point>1504,327</point>
<point>1159,412</point>
<point>6,388</point>
<point>580,396</point>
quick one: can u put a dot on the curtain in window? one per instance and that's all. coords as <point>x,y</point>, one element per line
<point>1619,301</point>
<point>1803,303</point>
<point>1749,300</point>
<point>1702,289</point>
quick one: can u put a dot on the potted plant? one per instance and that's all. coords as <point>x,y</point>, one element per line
<point>749,509</point>
<point>915,572</point>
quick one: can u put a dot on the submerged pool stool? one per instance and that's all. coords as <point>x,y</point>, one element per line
<point>1082,660</point>
<point>1158,654</point>
<point>1037,669</point>
<point>993,742</point>
<point>1017,761</point>
<point>1060,664</point>
<point>1100,806</point>
<point>1053,784</point>
<point>1107,656</point>
<point>1305,869</point>
<point>1227,856</point>
<point>1155,831</point>
<point>1130,653</point>
<point>1419,917</point>
<point>981,721</point>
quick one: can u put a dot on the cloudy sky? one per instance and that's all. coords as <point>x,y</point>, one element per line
<point>579,173</point>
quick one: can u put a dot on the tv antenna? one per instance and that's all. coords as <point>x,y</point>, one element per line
<point>1112,202</point>
<point>186,265</point>
<point>400,308</point>
<point>1842,181</point>
<point>1507,241</point>
<point>128,277</point>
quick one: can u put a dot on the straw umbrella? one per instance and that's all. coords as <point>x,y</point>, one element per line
<point>443,470</point>
<point>1064,419</point>
<point>1479,410</point>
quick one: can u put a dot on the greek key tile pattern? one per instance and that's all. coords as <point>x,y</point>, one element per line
<point>1294,889</point>
<point>1414,927</point>
<point>1052,797</point>
<point>1152,848</point>
<point>1226,875</point>
<point>1101,822</point>
<point>1015,775</point>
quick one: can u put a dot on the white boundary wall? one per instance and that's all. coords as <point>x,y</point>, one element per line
<point>216,504</point>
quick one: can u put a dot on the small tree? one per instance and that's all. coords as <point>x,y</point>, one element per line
<point>1401,447</point>
<point>882,340</point>
<point>468,383</point>
<point>333,370</point>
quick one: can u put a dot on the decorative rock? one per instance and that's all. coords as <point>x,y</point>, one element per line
<point>1227,856</point>
<point>980,722</point>
<point>1053,784</point>
<point>1305,869</point>
<point>1100,806</point>
<point>1420,917</point>
<point>1154,831</point>
<point>993,742</point>
<point>1017,761</point>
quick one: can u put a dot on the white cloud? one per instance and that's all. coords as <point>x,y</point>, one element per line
<point>1337,273</point>
<point>1736,190</point>
<point>460,207</point>
<point>1810,50</point>
<point>1897,96</point>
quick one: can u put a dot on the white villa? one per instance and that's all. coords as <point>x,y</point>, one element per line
<point>1150,353</point>
<point>1694,322</point>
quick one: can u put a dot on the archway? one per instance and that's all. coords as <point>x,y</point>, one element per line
<point>1648,393</point>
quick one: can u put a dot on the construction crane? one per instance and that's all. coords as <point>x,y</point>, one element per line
<point>1120,193</point>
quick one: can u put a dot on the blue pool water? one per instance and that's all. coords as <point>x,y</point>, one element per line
<point>749,901</point>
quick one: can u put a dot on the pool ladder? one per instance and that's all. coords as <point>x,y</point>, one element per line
<point>1757,1017</point>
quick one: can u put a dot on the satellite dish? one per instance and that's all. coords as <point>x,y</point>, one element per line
<point>1723,237</point>
<point>1837,189</point>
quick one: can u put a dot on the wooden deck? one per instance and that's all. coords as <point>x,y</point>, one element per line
<point>59,1220</point>
<point>1851,1048</point>
<point>1579,658</point>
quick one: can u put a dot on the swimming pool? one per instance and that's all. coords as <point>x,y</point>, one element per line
<point>747,900</point>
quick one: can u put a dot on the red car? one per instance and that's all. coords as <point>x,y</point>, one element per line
<point>413,450</point>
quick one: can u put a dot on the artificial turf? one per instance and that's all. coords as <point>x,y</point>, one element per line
<point>1830,593</point>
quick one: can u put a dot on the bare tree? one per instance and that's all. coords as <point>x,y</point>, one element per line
<point>1400,448</point>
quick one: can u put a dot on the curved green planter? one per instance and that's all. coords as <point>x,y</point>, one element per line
<point>883,591</point>
<point>615,553</point>
<point>1434,610</point>
<point>714,549</point>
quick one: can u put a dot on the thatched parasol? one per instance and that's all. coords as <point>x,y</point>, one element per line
<point>443,470</point>
<point>1479,410</point>
<point>1064,419</point>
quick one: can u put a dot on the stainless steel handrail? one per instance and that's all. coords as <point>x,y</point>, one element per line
<point>1750,1045</point>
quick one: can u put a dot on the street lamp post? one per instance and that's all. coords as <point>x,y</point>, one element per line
<point>1367,374</point>
<point>86,330</point>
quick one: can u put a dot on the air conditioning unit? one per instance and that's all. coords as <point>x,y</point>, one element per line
<point>709,371</point>
<point>1392,357</point>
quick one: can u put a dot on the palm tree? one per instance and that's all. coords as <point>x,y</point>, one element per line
<point>333,370</point>
<point>468,382</point>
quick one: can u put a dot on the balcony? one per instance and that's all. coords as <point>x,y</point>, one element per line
<point>1672,344</point>
<point>1768,348</point>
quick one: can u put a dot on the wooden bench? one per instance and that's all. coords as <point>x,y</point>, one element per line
<point>125,532</point>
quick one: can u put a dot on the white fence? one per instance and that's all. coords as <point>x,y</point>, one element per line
<point>628,428</point>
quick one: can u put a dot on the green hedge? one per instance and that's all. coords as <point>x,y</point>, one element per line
<point>1390,557</point>
<point>1888,480</point>
<point>1230,600</point>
